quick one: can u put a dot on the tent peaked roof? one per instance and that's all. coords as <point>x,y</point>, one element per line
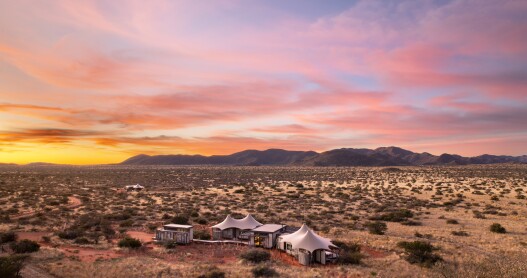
<point>229,222</point>
<point>310,241</point>
<point>299,232</point>
<point>246,223</point>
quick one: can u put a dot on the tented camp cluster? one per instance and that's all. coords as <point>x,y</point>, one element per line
<point>303,243</point>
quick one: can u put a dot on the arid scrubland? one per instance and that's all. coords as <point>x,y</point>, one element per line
<point>79,214</point>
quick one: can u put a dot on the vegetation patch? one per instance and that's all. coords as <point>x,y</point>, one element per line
<point>256,256</point>
<point>420,252</point>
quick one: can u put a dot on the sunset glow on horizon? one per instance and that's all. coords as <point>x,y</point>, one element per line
<point>88,82</point>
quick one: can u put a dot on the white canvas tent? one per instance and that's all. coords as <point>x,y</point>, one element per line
<point>229,222</point>
<point>232,228</point>
<point>306,245</point>
<point>310,241</point>
<point>246,223</point>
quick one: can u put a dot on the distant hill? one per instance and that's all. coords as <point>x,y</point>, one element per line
<point>384,156</point>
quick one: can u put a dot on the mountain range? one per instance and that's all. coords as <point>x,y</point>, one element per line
<point>384,156</point>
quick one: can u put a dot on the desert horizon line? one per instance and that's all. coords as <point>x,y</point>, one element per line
<point>259,150</point>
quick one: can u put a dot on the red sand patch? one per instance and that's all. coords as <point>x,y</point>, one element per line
<point>90,254</point>
<point>142,236</point>
<point>278,255</point>
<point>35,236</point>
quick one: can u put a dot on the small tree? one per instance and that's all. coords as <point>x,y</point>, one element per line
<point>497,228</point>
<point>10,266</point>
<point>129,242</point>
<point>25,246</point>
<point>377,227</point>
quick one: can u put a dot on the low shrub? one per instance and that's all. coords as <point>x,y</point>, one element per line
<point>180,219</point>
<point>377,227</point>
<point>394,216</point>
<point>264,271</point>
<point>7,237</point>
<point>350,257</point>
<point>25,246</point>
<point>129,242</point>
<point>411,223</point>
<point>170,244</point>
<point>213,272</point>
<point>127,223</point>
<point>202,234</point>
<point>460,233</point>
<point>497,228</point>
<point>81,240</point>
<point>347,246</point>
<point>420,252</point>
<point>256,256</point>
<point>70,234</point>
<point>452,221</point>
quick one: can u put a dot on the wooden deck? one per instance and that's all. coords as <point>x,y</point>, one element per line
<point>220,241</point>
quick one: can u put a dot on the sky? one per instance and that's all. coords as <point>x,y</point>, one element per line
<point>86,82</point>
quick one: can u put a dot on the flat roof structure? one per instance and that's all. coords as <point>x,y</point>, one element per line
<point>268,228</point>
<point>178,226</point>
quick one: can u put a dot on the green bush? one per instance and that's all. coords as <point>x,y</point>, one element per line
<point>180,219</point>
<point>264,271</point>
<point>10,266</point>
<point>129,242</point>
<point>127,223</point>
<point>7,237</point>
<point>347,246</point>
<point>25,246</point>
<point>497,228</point>
<point>377,227</point>
<point>411,223</point>
<point>460,233</point>
<point>81,240</point>
<point>170,244</point>
<point>394,216</point>
<point>350,257</point>
<point>202,234</point>
<point>420,252</point>
<point>70,234</point>
<point>256,256</point>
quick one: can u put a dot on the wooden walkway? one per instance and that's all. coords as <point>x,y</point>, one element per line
<point>220,241</point>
